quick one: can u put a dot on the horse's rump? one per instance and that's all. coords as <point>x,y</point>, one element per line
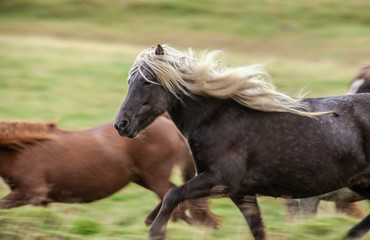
<point>16,134</point>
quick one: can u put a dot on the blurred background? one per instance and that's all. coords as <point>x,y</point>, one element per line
<point>68,61</point>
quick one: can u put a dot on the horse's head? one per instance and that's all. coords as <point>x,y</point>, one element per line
<point>146,99</point>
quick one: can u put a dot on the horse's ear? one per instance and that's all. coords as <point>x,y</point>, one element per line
<point>159,50</point>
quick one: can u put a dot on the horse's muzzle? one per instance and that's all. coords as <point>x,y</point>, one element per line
<point>123,129</point>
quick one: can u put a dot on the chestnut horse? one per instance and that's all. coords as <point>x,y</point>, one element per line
<point>246,137</point>
<point>42,164</point>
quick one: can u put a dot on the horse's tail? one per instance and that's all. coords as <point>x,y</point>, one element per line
<point>14,135</point>
<point>198,208</point>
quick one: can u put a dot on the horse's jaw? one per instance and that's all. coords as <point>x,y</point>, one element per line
<point>130,133</point>
<point>131,125</point>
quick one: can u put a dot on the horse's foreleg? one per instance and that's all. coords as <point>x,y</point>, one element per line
<point>204,185</point>
<point>150,218</point>
<point>249,208</point>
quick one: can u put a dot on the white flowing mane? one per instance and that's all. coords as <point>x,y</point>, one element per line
<point>206,76</point>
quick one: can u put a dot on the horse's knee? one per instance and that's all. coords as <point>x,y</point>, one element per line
<point>172,197</point>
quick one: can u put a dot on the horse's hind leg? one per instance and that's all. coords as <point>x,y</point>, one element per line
<point>201,214</point>
<point>150,218</point>
<point>26,194</point>
<point>249,207</point>
<point>350,208</point>
<point>16,198</point>
<point>364,226</point>
<point>302,207</point>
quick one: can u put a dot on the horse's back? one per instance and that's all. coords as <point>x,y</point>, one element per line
<point>74,162</point>
<point>352,111</point>
<point>329,146</point>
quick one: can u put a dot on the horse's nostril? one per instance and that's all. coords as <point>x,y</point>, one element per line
<point>121,125</point>
<point>124,124</point>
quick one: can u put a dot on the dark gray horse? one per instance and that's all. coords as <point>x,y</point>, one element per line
<point>247,138</point>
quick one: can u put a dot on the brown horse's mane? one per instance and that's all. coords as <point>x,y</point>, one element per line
<point>16,134</point>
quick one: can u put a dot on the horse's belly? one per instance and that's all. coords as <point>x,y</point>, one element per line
<point>80,195</point>
<point>298,181</point>
<point>295,190</point>
<point>83,188</point>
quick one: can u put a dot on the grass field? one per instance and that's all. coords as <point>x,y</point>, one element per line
<point>67,60</point>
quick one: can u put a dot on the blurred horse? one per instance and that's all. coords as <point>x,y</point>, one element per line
<point>42,164</point>
<point>345,199</point>
<point>246,137</point>
<point>361,83</point>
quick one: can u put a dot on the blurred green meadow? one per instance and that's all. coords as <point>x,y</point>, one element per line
<point>68,61</point>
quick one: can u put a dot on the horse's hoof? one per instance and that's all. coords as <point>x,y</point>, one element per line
<point>157,236</point>
<point>157,233</point>
<point>148,222</point>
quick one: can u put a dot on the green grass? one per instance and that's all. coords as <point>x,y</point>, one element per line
<point>42,82</point>
<point>68,61</point>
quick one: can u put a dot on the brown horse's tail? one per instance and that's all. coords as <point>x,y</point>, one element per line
<point>14,135</point>
<point>198,208</point>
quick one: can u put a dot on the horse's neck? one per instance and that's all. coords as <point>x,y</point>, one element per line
<point>192,113</point>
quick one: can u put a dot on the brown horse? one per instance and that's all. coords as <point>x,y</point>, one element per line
<point>42,164</point>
